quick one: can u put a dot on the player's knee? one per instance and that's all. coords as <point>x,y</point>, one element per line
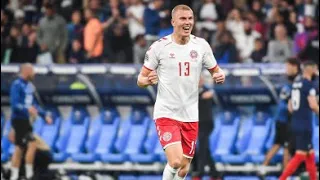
<point>184,171</point>
<point>176,163</point>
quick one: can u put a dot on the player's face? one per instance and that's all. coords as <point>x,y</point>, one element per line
<point>183,22</point>
<point>31,73</point>
<point>290,69</point>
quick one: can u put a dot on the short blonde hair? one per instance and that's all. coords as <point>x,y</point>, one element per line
<point>180,7</point>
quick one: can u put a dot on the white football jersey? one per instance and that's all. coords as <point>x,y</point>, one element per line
<point>179,68</point>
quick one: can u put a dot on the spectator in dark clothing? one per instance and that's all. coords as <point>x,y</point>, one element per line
<point>13,44</point>
<point>5,25</point>
<point>206,126</point>
<point>114,13</point>
<point>257,10</point>
<point>119,44</point>
<point>259,52</point>
<point>32,49</point>
<point>75,28</point>
<point>5,31</point>
<point>311,51</point>
<point>76,54</point>
<point>26,31</point>
<point>226,52</point>
<point>152,19</point>
<point>115,4</point>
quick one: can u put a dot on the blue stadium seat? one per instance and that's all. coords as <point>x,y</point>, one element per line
<point>72,134</point>
<point>38,125</point>
<point>5,143</point>
<point>50,132</point>
<point>127,177</point>
<point>150,177</point>
<point>102,134</point>
<point>251,140</point>
<point>316,136</point>
<point>160,152</point>
<point>222,143</point>
<point>149,148</point>
<point>129,141</point>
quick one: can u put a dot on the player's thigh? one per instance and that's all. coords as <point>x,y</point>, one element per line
<point>170,139</point>
<point>189,135</point>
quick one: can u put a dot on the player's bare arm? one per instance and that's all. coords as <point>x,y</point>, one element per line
<point>313,104</point>
<point>218,75</point>
<point>147,77</point>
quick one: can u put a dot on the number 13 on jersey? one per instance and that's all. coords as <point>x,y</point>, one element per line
<point>184,68</point>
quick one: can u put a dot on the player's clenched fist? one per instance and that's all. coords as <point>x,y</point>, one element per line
<point>153,77</point>
<point>219,77</point>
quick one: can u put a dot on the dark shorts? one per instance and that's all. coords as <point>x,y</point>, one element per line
<point>23,132</point>
<point>282,134</point>
<point>302,141</point>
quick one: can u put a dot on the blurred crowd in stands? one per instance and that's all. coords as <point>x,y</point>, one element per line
<point>120,31</point>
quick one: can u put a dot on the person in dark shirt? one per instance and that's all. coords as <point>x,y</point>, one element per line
<point>302,104</point>
<point>76,54</point>
<point>206,126</point>
<point>24,109</point>
<point>259,52</point>
<point>282,117</point>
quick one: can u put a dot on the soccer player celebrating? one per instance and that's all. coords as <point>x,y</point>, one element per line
<point>176,61</point>
<point>303,101</point>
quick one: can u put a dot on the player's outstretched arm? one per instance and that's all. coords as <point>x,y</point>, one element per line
<point>313,104</point>
<point>147,77</point>
<point>217,75</point>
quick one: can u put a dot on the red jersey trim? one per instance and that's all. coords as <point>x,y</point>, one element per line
<point>147,68</point>
<point>214,67</point>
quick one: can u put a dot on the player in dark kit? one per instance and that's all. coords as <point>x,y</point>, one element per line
<point>24,110</point>
<point>282,118</point>
<point>303,101</point>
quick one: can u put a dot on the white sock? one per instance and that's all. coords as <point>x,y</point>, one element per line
<point>14,173</point>
<point>29,170</point>
<point>169,173</point>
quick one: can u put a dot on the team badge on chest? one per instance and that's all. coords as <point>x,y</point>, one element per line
<point>194,55</point>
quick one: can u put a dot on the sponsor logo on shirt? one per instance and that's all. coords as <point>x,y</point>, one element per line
<point>172,56</point>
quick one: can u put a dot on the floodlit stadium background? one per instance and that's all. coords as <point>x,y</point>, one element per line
<point>86,95</point>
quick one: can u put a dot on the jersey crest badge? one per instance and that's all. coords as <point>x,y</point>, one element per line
<point>167,136</point>
<point>194,55</point>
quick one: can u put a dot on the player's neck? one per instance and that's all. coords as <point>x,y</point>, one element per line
<point>307,76</point>
<point>181,40</point>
